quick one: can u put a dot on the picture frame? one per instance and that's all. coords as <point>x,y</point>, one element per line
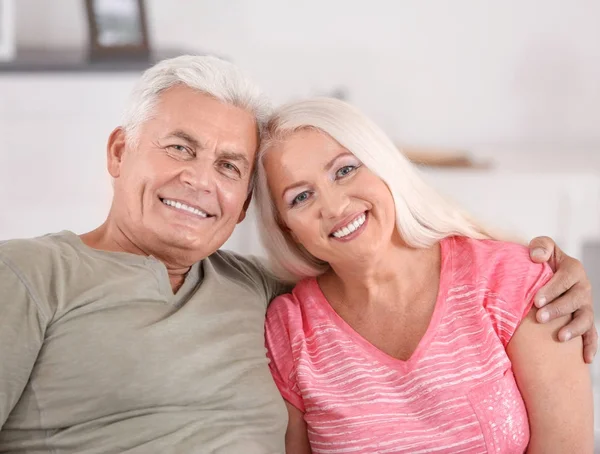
<point>7,30</point>
<point>117,30</point>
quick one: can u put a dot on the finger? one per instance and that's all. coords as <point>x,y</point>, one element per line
<point>564,305</point>
<point>564,279</point>
<point>541,249</point>
<point>590,345</point>
<point>582,322</point>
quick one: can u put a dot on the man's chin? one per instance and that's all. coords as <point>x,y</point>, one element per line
<point>181,241</point>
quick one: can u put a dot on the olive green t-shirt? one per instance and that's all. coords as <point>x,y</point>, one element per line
<point>97,355</point>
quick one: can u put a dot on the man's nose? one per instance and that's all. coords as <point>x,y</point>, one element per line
<point>198,176</point>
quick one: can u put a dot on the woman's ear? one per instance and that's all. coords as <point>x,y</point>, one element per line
<point>293,235</point>
<point>282,225</point>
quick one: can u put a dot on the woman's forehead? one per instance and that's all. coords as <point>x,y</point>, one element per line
<point>306,144</point>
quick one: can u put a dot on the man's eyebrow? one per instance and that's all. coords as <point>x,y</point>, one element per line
<point>181,134</point>
<point>224,154</point>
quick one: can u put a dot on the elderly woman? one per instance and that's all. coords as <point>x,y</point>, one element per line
<point>411,328</point>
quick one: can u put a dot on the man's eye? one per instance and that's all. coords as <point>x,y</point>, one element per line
<point>345,171</point>
<point>302,197</point>
<point>180,149</point>
<point>230,167</point>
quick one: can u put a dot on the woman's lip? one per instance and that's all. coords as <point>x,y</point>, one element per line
<point>354,234</point>
<point>347,220</point>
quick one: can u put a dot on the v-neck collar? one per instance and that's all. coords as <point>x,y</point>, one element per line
<point>192,279</point>
<point>446,276</point>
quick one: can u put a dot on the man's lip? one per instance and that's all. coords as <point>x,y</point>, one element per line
<point>185,202</point>
<point>346,221</point>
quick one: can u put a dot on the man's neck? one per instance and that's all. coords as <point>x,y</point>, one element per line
<point>109,237</point>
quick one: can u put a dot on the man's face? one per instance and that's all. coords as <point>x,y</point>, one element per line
<point>182,188</point>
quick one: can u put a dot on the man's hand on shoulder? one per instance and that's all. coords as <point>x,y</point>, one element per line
<point>568,292</point>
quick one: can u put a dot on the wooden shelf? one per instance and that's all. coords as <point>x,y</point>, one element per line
<point>78,61</point>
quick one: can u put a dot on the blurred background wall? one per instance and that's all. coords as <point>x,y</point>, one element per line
<point>461,73</point>
<point>515,84</point>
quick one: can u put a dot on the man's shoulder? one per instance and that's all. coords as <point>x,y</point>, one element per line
<point>35,264</point>
<point>238,261</point>
<point>38,252</point>
<point>237,266</point>
<point>249,269</point>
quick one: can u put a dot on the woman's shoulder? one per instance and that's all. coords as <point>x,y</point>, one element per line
<point>486,249</point>
<point>493,260</point>
<point>501,277</point>
<point>294,303</point>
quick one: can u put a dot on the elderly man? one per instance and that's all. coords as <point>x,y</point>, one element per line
<point>142,336</point>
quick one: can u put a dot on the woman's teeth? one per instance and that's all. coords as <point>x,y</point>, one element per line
<point>351,227</point>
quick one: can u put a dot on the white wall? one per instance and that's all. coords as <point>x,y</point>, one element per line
<point>465,73</point>
<point>517,81</point>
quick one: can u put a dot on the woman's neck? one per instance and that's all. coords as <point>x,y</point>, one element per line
<point>394,278</point>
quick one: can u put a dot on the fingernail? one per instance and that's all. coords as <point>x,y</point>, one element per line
<point>538,253</point>
<point>544,316</point>
<point>567,336</point>
<point>589,359</point>
<point>541,301</point>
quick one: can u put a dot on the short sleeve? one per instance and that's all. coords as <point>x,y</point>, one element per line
<point>22,328</point>
<point>513,281</point>
<point>279,343</point>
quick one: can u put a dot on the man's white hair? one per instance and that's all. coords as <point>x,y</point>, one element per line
<point>207,74</point>
<point>423,216</point>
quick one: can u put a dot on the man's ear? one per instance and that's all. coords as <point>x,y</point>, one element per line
<point>245,208</point>
<point>117,144</point>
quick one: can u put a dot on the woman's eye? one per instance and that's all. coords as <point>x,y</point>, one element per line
<point>302,197</point>
<point>344,171</point>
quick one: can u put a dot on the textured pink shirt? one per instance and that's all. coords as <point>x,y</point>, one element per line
<point>456,393</point>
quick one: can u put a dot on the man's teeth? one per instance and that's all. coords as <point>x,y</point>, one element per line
<point>184,207</point>
<point>347,230</point>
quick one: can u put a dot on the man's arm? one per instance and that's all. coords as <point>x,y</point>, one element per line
<point>568,292</point>
<point>22,328</point>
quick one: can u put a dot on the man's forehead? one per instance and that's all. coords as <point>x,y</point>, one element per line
<point>203,120</point>
<point>181,101</point>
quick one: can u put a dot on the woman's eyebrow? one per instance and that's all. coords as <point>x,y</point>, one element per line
<point>330,163</point>
<point>292,186</point>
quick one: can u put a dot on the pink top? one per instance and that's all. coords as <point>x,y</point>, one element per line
<point>456,393</point>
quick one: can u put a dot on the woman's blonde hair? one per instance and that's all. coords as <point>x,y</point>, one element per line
<point>423,216</point>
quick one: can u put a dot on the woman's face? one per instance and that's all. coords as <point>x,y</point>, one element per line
<point>334,206</point>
